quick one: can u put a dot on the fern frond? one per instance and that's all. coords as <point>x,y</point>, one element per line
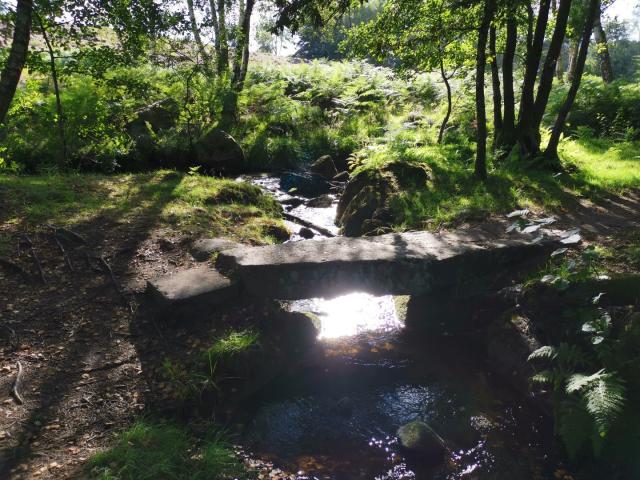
<point>546,352</point>
<point>579,381</point>
<point>545,376</point>
<point>605,398</point>
<point>603,395</point>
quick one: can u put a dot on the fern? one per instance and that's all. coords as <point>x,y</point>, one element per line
<point>603,395</point>
<point>545,376</point>
<point>546,352</point>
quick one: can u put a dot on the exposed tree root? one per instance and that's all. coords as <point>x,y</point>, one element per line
<point>26,243</point>
<point>68,235</point>
<point>67,260</point>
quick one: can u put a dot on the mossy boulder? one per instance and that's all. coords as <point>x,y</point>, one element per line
<point>365,207</point>
<point>324,167</point>
<point>218,152</point>
<point>157,116</point>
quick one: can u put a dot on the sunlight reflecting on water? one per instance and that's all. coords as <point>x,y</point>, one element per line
<point>352,314</point>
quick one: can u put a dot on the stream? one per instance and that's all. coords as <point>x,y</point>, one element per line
<point>337,417</point>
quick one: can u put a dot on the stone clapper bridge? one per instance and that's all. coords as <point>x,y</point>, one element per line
<point>412,263</point>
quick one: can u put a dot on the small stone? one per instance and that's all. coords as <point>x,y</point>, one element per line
<point>166,245</point>
<point>306,233</point>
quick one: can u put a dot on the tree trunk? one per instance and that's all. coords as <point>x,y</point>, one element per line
<point>241,61</point>
<point>247,39</point>
<point>56,88</point>
<point>551,60</point>
<point>560,62</point>
<point>240,65</point>
<point>481,114</point>
<point>602,49</point>
<point>532,63</point>
<point>495,83</point>
<point>12,70</point>
<point>195,30</point>
<point>223,55</point>
<point>528,136</point>
<point>237,58</point>
<point>507,139</point>
<point>445,121</point>
<point>574,44</point>
<point>551,153</point>
<point>216,28</point>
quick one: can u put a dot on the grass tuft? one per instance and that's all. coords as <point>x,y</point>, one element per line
<point>154,450</point>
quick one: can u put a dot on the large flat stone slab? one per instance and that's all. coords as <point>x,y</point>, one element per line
<point>412,263</point>
<point>200,287</point>
<point>203,249</point>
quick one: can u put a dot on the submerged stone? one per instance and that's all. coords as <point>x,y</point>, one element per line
<point>305,184</point>
<point>418,437</point>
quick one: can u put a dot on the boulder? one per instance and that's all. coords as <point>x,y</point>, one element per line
<point>305,184</point>
<point>365,206</point>
<point>323,201</point>
<point>159,115</point>
<point>202,249</point>
<point>218,152</point>
<point>324,167</point>
<point>418,437</point>
<point>292,202</point>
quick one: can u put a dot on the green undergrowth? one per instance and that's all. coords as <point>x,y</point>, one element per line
<point>152,450</point>
<point>594,168</point>
<point>191,381</point>
<point>189,204</point>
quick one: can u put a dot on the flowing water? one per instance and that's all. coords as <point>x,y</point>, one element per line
<point>337,417</point>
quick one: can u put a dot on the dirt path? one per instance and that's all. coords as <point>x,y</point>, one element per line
<point>92,359</point>
<point>79,343</point>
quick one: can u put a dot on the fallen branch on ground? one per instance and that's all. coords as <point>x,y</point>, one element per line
<point>107,269</point>
<point>109,366</point>
<point>305,223</point>
<point>17,384</point>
